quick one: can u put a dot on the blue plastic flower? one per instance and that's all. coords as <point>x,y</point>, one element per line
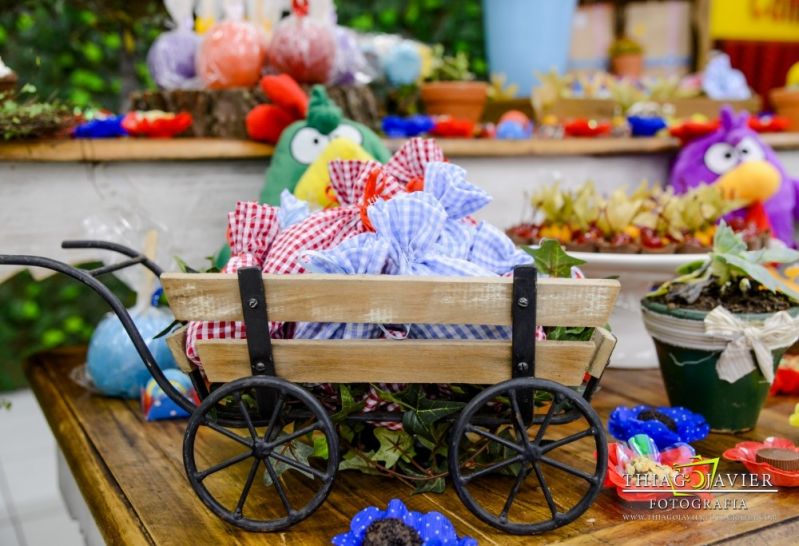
<point>667,426</point>
<point>644,126</point>
<point>433,528</point>
<point>409,127</point>
<point>110,127</point>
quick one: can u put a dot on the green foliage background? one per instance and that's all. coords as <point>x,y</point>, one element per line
<point>93,53</point>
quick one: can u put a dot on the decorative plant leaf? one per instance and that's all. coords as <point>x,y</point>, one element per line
<point>167,330</point>
<point>725,241</point>
<point>561,333</point>
<point>394,444</point>
<point>435,485</point>
<point>550,258</point>
<point>780,255</point>
<point>348,404</point>
<point>690,267</point>
<point>296,450</point>
<point>183,266</point>
<point>354,460</point>
<point>689,292</point>
<point>320,448</point>
<point>762,275</point>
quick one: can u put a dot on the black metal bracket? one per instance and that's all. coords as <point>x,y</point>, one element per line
<point>523,317</point>
<point>256,320</point>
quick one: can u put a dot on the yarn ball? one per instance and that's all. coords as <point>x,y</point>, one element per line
<point>231,55</point>
<point>112,362</point>
<point>304,48</point>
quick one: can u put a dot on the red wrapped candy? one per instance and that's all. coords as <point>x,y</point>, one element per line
<point>303,47</point>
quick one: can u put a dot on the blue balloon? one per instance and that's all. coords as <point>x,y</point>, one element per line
<point>112,362</point>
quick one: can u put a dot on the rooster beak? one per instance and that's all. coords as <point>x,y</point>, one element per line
<point>750,182</point>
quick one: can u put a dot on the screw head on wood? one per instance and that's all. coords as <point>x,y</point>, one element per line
<point>522,302</point>
<point>260,367</point>
<point>522,367</point>
<point>253,303</point>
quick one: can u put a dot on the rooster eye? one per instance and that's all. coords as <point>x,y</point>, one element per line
<point>749,150</point>
<point>720,158</point>
<point>307,144</point>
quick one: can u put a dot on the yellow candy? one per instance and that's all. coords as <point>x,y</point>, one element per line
<point>313,185</point>
<point>794,418</point>
<point>633,231</point>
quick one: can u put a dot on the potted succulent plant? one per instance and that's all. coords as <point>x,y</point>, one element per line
<point>786,99</point>
<point>450,88</point>
<point>626,58</point>
<point>721,327</point>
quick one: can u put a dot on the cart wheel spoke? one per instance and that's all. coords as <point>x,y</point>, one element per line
<point>271,428</point>
<point>279,487</point>
<point>545,489</point>
<point>567,440</point>
<point>541,513</point>
<point>246,415</point>
<point>547,418</point>
<point>299,466</point>
<point>247,486</point>
<point>520,477</point>
<point>492,468</point>
<point>232,435</point>
<point>263,446</point>
<point>495,438</point>
<point>521,430</point>
<point>296,434</point>
<point>568,469</point>
<point>223,465</point>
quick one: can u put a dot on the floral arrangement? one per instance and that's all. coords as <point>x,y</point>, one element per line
<point>648,219</point>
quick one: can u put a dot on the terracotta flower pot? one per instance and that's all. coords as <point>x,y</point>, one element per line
<point>692,381</point>
<point>628,65</point>
<point>786,101</point>
<point>462,100</point>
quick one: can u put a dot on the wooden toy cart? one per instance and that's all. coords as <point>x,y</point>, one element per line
<point>536,400</point>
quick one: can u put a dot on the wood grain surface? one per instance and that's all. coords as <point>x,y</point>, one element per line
<point>131,149</point>
<point>401,361</point>
<point>391,299</point>
<point>131,474</point>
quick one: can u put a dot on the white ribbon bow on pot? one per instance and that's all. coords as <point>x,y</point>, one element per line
<point>744,338</point>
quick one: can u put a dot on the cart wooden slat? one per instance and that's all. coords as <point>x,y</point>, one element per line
<point>131,474</point>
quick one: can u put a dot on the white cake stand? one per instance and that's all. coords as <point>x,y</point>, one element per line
<point>638,273</point>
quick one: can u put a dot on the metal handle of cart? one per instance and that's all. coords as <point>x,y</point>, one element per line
<point>89,278</point>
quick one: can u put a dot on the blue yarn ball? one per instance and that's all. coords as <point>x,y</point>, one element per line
<point>112,362</point>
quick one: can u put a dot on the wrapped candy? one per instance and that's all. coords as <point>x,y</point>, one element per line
<point>303,47</point>
<point>172,57</point>
<point>112,363</point>
<point>232,52</point>
<point>156,124</point>
<point>349,65</point>
<point>155,403</point>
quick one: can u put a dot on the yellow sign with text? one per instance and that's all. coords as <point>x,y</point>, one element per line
<point>764,20</point>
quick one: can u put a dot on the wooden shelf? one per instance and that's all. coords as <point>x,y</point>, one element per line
<point>128,149</point>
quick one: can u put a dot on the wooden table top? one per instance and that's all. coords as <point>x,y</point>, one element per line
<point>132,477</point>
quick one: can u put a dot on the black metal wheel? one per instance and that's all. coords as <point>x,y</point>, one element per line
<point>549,470</point>
<point>288,453</point>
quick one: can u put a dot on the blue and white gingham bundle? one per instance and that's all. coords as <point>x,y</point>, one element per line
<point>368,257</point>
<point>460,198</point>
<point>292,210</point>
<point>493,250</point>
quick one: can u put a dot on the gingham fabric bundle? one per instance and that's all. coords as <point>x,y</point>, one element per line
<point>292,210</point>
<point>493,250</point>
<point>460,198</point>
<point>407,165</point>
<point>252,228</point>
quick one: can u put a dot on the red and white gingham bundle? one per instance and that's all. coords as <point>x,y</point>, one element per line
<point>408,163</point>
<point>252,228</point>
<point>327,228</point>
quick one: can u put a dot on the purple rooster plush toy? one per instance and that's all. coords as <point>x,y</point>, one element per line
<point>745,168</point>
